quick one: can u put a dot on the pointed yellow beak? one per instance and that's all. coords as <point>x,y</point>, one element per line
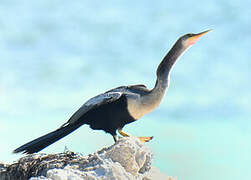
<point>202,33</point>
<point>192,40</point>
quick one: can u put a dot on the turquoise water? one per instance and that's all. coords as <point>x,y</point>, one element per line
<point>56,55</point>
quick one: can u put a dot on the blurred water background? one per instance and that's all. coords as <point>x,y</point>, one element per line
<point>54,55</point>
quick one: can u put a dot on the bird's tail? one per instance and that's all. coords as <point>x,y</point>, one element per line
<point>42,142</point>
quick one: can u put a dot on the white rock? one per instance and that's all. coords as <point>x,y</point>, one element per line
<point>127,159</point>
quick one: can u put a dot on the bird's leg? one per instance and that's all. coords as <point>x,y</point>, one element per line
<point>114,138</point>
<point>123,133</point>
<point>142,139</point>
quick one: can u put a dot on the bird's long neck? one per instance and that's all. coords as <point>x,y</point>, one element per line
<point>167,63</point>
<point>153,98</point>
<point>164,69</point>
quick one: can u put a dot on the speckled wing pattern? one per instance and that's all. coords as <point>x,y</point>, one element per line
<point>107,97</point>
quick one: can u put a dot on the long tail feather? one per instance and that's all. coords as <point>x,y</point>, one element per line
<point>42,142</point>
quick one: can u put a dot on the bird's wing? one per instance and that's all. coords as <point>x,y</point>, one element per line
<point>138,89</point>
<point>107,97</point>
<point>132,89</point>
<point>137,86</point>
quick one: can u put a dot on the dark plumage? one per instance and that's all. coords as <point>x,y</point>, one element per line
<point>112,110</point>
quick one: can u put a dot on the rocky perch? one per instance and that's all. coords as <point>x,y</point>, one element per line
<point>128,159</point>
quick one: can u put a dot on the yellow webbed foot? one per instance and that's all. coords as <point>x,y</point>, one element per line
<point>142,139</point>
<point>145,139</point>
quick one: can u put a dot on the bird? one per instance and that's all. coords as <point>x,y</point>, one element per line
<point>112,110</point>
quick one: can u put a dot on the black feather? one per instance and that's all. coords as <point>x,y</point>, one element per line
<point>42,142</point>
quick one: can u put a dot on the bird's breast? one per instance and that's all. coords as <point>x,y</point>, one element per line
<point>139,107</point>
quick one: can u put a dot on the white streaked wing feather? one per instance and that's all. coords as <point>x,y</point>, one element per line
<point>94,102</point>
<point>109,96</point>
<point>100,99</point>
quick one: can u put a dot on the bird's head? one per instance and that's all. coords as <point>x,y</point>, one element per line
<point>190,39</point>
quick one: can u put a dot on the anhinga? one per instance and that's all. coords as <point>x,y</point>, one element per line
<point>112,110</point>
